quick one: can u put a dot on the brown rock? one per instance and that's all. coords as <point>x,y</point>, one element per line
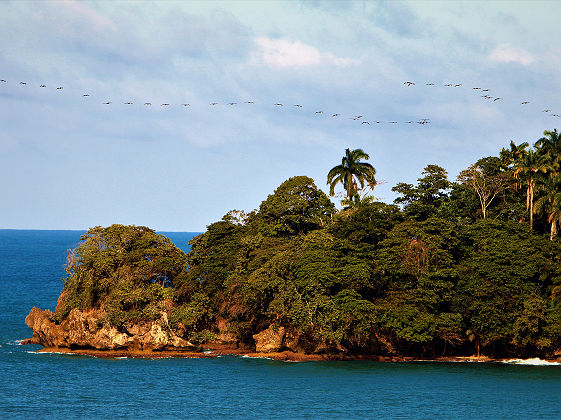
<point>269,340</point>
<point>81,330</point>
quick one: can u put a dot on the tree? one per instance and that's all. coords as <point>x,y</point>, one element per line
<point>350,171</point>
<point>297,206</point>
<point>514,154</point>
<point>550,202</point>
<point>528,168</point>
<point>549,146</point>
<point>422,201</point>
<point>487,178</point>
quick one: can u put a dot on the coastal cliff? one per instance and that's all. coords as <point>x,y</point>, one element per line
<point>84,330</point>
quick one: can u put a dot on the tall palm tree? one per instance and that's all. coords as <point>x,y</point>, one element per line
<point>514,154</point>
<point>550,202</point>
<point>350,171</point>
<point>528,168</point>
<point>550,147</point>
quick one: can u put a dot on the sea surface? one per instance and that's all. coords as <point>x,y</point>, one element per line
<point>42,385</point>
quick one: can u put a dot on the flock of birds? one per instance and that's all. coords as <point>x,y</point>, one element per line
<point>359,118</point>
<point>484,96</point>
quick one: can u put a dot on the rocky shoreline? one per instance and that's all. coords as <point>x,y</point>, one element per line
<point>83,333</point>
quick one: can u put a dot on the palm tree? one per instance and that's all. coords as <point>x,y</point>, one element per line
<point>550,147</point>
<point>515,153</point>
<point>550,202</point>
<point>357,202</point>
<point>529,167</point>
<point>350,171</point>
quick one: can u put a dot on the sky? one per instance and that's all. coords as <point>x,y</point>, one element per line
<point>69,161</point>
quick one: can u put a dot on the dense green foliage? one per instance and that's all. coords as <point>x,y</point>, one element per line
<point>451,268</point>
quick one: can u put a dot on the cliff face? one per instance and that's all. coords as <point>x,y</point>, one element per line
<point>83,330</point>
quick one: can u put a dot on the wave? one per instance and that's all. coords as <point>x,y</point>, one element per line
<point>530,362</point>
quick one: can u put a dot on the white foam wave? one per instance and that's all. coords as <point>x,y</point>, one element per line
<point>530,362</point>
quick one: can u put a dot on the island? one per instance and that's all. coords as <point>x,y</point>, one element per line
<point>470,268</point>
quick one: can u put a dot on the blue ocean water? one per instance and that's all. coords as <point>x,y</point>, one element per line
<point>65,386</point>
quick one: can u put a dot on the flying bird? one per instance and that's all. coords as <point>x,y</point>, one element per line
<point>365,122</point>
<point>186,104</point>
<point>213,103</point>
<point>127,103</point>
<point>408,83</point>
<point>319,112</point>
<point>232,103</point>
<point>147,103</point>
<point>335,115</point>
<point>546,110</point>
<point>524,103</point>
<point>393,122</point>
<point>2,80</point>
<point>484,90</point>
<point>448,84</point>
<point>249,102</point>
<point>458,85</point>
<point>298,105</point>
<point>106,103</point>
<point>497,99</point>
<point>43,86</point>
<point>59,88</point>
<point>429,84</point>
<point>22,83</point>
<point>278,104</point>
<point>164,105</point>
<point>475,88</point>
<point>85,94</point>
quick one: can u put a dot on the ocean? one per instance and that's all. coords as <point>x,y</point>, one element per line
<point>43,385</point>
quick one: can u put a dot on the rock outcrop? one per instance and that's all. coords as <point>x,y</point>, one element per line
<point>270,340</point>
<point>84,330</point>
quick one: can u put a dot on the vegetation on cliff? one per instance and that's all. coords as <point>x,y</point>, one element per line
<point>451,268</point>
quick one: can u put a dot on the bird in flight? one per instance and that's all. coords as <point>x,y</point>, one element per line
<point>393,122</point>
<point>147,103</point>
<point>298,105</point>
<point>2,80</point>
<point>278,104</point>
<point>448,84</point>
<point>249,102</point>
<point>22,83</point>
<point>365,122</point>
<point>496,99</point>
<point>484,90</point>
<point>127,103</point>
<point>458,85</point>
<point>59,88</point>
<point>335,115</point>
<point>106,103</point>
<point>476,88</point>
<point>546,110</point>
<point>186,104</point>
<point>213,103</point>
<point>524,103</point>
<point>319,112</point>
<point>232,103</point>
<point>85,94</point>
<point>429,84</point>
<point>43,86</point>
<point>486,96</point>
<point>164,105</point>
<point>408,83</point>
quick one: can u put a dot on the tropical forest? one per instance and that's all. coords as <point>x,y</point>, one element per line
<point>452,267</point>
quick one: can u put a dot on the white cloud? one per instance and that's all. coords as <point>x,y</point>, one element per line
<point>505,53</point>
<point>285,53</point>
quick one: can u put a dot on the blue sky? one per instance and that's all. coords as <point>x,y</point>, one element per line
<point>69,161</point>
